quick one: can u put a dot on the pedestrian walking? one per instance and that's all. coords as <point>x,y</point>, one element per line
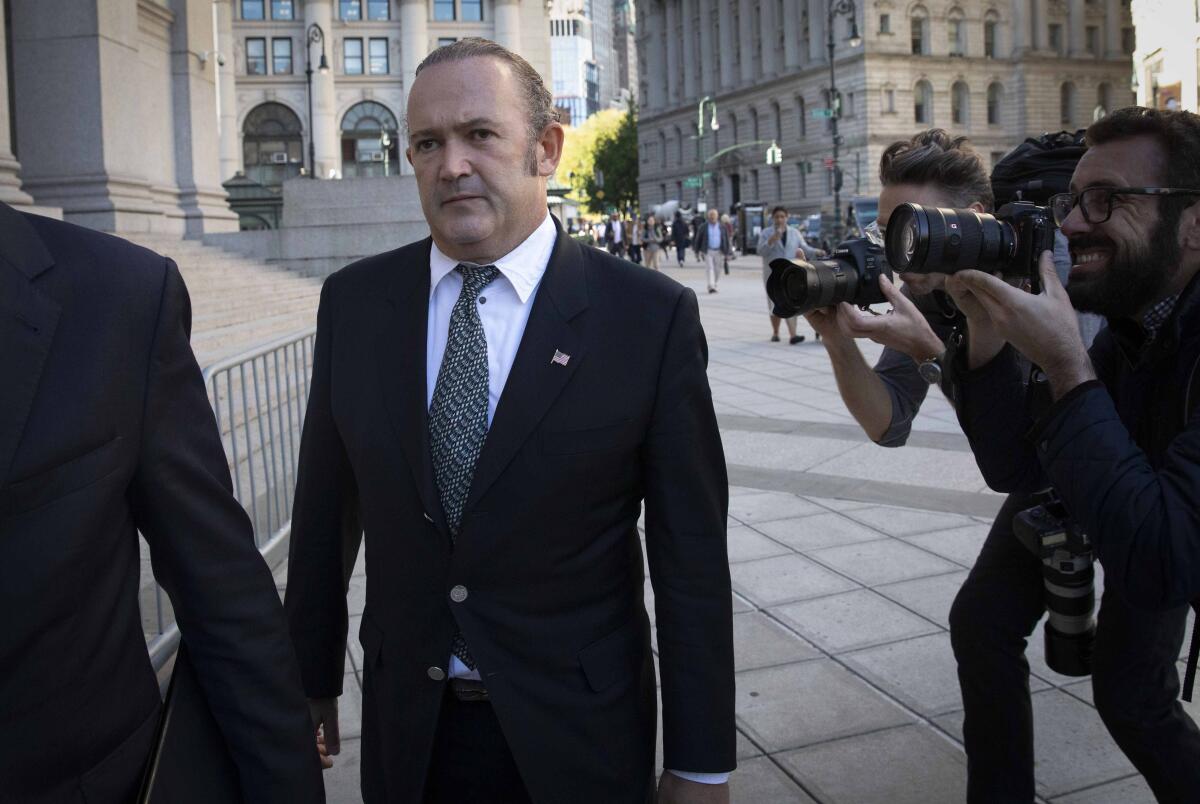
<point>679,233</point>
<point>697,225</point>
<point>633,228</point>
<point>615,239</point>
<point>652,241</point>
<point>780,241</point>
<point>716,247</point>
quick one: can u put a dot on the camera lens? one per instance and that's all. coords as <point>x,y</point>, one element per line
<point>937,240</point>
<point>850,275</point>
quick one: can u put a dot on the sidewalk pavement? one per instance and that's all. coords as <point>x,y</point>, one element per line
<point>845,558</point>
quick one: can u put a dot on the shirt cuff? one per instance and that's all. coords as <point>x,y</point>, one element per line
<point>702,778</point>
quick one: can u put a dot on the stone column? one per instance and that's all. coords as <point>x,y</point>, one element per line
<point>727,35</point>
<point>656,55</point>
<point>769,34</point>
<point>1112,29</point>
<point>691,64</point>
<point>508,24</point>
<point>791,34</point>
<point>324,131</point>
<point>10,182</point>
<point>202,201</point>
<point>746,40</point>
<point>709,60</point>
<point>1020,26</point>
<point>1076,41</point>
<point>672,48</point>
<point>231,139</point>
<point>816,30</point>
<point>1037,25</point>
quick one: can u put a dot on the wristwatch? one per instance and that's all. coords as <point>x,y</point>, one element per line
<point>930,369</point>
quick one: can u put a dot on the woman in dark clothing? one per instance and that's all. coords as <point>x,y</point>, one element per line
<point>679,232</point>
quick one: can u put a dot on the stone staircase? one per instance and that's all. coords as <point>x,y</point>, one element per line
<point>238,302</point>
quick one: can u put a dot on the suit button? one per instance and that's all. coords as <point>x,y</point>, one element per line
<point>436,673</point>
<point>458,594</point>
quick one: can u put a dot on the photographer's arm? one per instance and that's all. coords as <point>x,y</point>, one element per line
<point>864,393</point>
<point>1143,523</point>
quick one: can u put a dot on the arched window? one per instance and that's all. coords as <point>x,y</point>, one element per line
<point>1103,101</point>
<point>272,144</point>
<point>662,149</point>
<point>960,104</point>
<point>1066,95</point>
<point>956,31</point>
<point>920,31</point>
<point>995,97</point>
<point>363,135</point>
<point>923,102</point>
<point>991,32</point>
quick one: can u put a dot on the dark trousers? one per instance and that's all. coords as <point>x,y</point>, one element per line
<point>635,254</point>
<point>616,249</point>
<point>471,760</point>
<point>1134,677</point>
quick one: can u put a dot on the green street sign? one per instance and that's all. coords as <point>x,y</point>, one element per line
<point>822,113</point>
<point>691,181</point>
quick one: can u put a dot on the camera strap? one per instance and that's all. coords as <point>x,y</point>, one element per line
<point>1189,674</point>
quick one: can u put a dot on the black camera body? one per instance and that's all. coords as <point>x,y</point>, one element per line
<point>1068,573</point>
<point>925,240</point>
<point>851,274</point>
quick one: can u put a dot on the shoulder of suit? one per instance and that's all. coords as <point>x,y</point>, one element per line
<point>606,272</point>
<point>381,266</point>
<point>87,254</point>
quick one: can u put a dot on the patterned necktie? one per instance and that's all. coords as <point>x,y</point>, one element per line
<point>458,415</point>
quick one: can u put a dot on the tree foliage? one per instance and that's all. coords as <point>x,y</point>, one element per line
<point>579,150</point>
<point>616,159</point>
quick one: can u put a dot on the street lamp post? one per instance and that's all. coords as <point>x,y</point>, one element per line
<point>837,7</point>
<point>315,34</point>
<point>699,137</point>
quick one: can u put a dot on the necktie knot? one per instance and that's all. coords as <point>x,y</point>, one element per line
<point>476,277</point>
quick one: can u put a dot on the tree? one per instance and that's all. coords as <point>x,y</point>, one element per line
<point>616,160</point>
<point>577,166</point>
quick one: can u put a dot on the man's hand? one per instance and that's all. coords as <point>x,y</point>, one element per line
<point>904,329</point>
<point>324,713</point>
<point>673,789</point>
<point>824,321</point>
<point>1041,327</point>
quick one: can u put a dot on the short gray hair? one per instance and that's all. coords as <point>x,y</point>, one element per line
<point>538,99</point>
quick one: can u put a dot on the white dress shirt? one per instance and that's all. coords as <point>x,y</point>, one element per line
<point>503,307</point>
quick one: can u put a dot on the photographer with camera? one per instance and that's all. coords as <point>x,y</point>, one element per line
<point>1116,437</point>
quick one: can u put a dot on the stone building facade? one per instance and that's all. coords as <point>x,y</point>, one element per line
<point>993,70</point>
<point>1166,63</point>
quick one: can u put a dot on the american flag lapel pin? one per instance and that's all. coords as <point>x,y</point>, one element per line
<point>560,358</point>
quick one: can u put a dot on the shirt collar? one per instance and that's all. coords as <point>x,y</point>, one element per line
<point>523,267</point>
<point>1157,315</point>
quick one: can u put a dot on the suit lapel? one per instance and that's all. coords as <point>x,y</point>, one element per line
<point>536,380</point>
<point>401,362</point>
<point>28,319</point>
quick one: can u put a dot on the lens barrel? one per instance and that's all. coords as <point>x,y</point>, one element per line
<point>925,240</point>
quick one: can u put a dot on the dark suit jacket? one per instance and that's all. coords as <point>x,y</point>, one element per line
<point>105,430</point>
<point>549,549</point>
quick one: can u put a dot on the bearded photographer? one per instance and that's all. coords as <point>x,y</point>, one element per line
<point>1118,440</point>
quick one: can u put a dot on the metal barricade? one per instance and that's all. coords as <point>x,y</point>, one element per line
<point>259,399</point>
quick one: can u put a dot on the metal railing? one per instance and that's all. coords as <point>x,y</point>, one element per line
<point>259,398</point>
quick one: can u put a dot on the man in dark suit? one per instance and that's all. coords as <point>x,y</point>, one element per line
<point>616,235</point>
<point>492,405</point>
<point>106,430</point>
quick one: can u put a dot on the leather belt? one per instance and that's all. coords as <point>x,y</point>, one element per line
<point>468,689</point>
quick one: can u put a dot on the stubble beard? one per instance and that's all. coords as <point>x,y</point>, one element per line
<point>1137,276</point>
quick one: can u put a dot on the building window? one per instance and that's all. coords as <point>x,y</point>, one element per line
<point>850,106</point>
<point>889,101</point>
<point>443,10</point>
<point>995,96</point>
<point>920,32</point>
<point>960,104</point>
<point>282,10</point>
<point>1127,40</point>
<point>352,63</point>
<point>252,9</point>
<point>471,10</point>
<point>378,10</point>
<point>1092,39</point>
<point>1056,37</point>
<point>958,36</point>
<point>802,113</point>
<point>379,57</point>
<point>662,151</point>
<point>996,157</point>
<point>446,40</point>
<point>256,57</point>
<point>754,187</point>
<point>351,10</point>
<point>281,56</point>
<point>272,144</point>
<point>802,175</point>
<point>885,23</point>
<point>1067,103</point>
<point>1103,100</point>
<point>363,151</point>
<point>989,39</point>
<point>923,102</point>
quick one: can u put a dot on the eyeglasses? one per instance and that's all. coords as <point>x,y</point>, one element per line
<point>1097,202</point>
